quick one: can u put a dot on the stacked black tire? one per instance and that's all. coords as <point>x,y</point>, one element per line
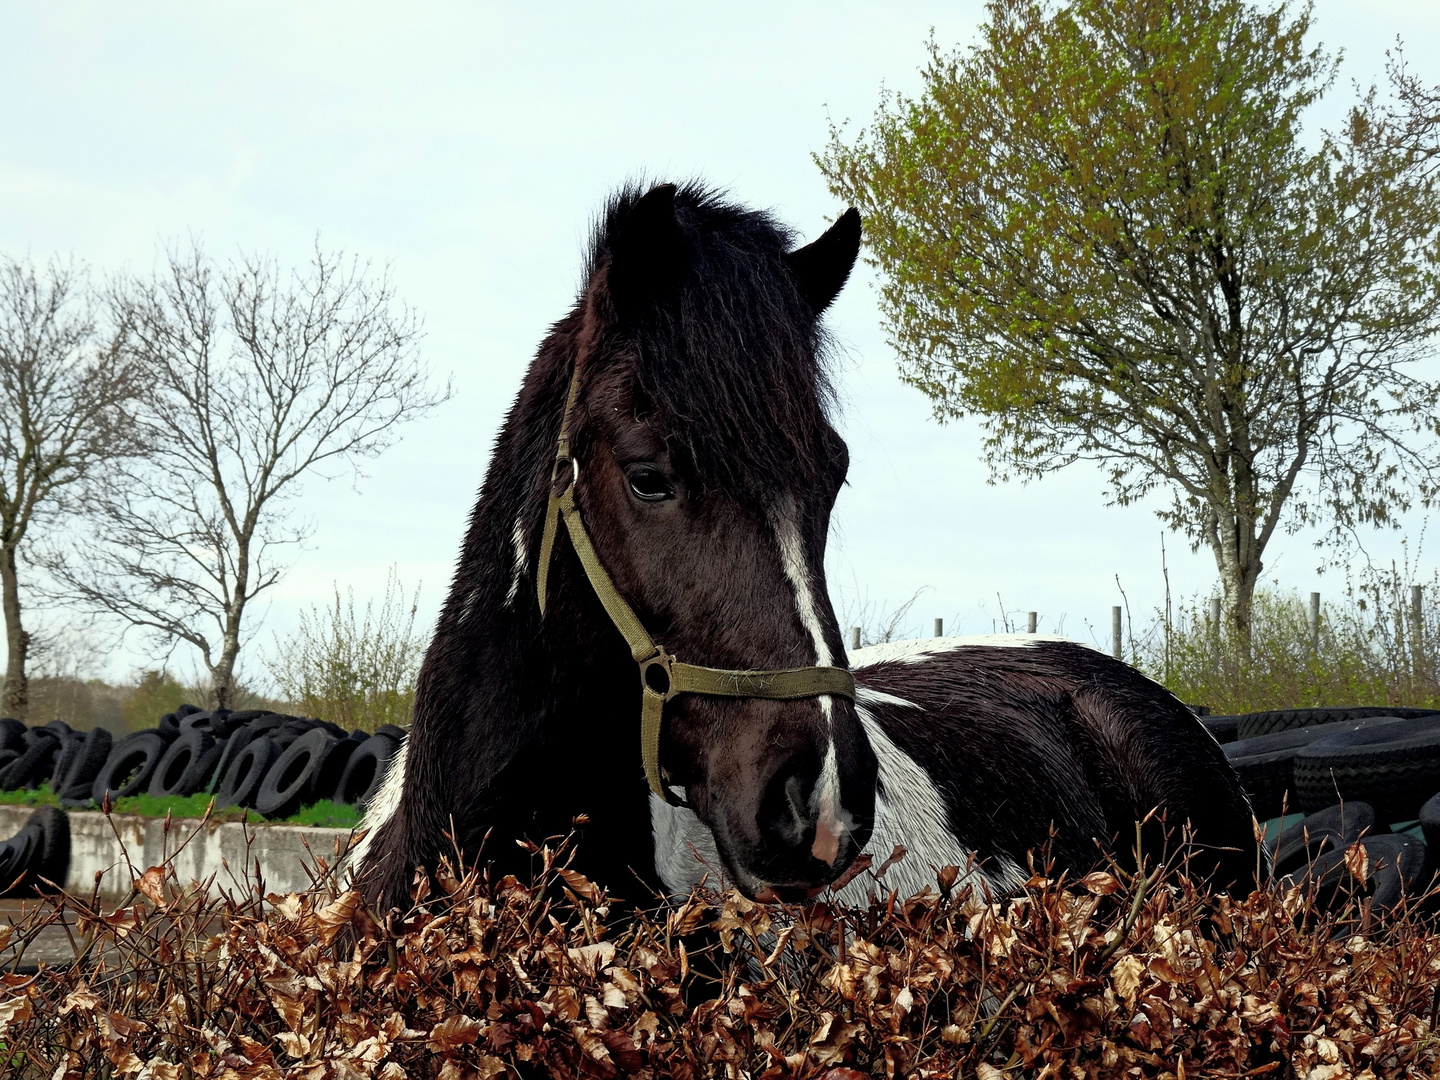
<point>263,761</point>
<point>1370,774</point>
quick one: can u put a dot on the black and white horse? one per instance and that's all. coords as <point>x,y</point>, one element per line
<point>705,470</point>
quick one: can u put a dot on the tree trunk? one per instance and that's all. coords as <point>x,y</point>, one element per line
<point>1239,565</point>
<point>15,698</point>
<point>222,672</point>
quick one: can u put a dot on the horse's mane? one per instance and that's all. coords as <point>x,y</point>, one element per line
<point>735,360</point>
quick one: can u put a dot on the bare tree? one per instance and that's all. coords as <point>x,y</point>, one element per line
<point>67,393</point>
<point>261,377</point>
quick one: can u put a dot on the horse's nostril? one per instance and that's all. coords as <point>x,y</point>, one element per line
<point>785,817</point>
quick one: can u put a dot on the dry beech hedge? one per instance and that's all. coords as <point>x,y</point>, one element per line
<point>1121,973</point>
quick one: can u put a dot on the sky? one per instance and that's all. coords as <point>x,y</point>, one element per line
<point>467,147</point>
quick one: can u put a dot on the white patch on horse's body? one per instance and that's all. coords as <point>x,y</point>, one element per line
<point>521,559</point>
<point>685,850</point>
<point>911,813</point>
<point>382,806</point>
<point>918,650</point>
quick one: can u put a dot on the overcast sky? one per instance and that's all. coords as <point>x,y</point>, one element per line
<point>468,146</point>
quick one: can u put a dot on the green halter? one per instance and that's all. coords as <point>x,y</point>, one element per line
<point>662,677</point>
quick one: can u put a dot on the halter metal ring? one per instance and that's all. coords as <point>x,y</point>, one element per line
<point>656,676</point>
<point>555,472</point>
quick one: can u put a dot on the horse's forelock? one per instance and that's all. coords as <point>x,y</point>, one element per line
<point>733,358</point>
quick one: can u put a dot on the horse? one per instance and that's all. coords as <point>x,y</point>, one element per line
<point>658,502</point>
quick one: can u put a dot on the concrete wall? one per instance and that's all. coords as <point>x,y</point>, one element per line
<point>227,852</point>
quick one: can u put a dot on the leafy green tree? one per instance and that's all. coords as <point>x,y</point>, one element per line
<point>1103,231</point>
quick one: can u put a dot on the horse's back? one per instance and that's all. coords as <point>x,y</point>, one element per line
<point>1020,733</point>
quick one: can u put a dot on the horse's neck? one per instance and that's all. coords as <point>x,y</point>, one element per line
<point>560,736</point>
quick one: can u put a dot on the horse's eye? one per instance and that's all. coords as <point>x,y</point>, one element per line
<point>649,483</point>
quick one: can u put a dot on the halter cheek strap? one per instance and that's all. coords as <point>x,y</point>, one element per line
<point>662,677</point>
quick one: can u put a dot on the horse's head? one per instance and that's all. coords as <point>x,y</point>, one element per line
<point>705,473</point>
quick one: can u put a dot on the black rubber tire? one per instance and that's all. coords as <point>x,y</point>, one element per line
<point>1400,866</point>
<point>290,780</point>
<point>200,719</point>
<point>250,726</point>
<point>292,728</point>
<point>70,744</point>
<point>1430,822</point>
<point>128,769</point>
<point>54,861</point>
<point>1394,767</point>
<point>245,716</point>
<point>169,727</point>
<point>331,767</point>
<point>35,764</point>
<point>41,849</point>
<point>1253,725</point>
<point>1265,763</point>
<point>245,772</point>
<point>17,853</point>
<point>1332,829</point>
<point>1226,729</point>
<point>6,758</point>
<point>396,733</point>
<point>186,710</point>
<point>365,771</point>
<point>74,789</point>
<point>12,734</point>
<point>186,765</point>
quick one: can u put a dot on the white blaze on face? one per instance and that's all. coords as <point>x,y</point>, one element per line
<point>832,821</point>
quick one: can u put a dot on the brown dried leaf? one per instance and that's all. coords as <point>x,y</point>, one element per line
<point>1126,977</point>
<point>80,998</point>
<point>330,919</point>
<point>1100,883</point>
<point>896,855</point>
<point>151,884</point>
<point>452,1033</point>
<point>862,862</point>
<point>592,959</point>
<point>16,1010</point>
<point>580,885</point>
<point>1357,861</point>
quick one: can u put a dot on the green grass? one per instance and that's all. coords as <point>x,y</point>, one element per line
<point>323,814</point>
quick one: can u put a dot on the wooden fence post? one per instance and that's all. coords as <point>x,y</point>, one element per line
<point>1215,633</point>
<point>1417,632</point>
<point>1116,644</point>
<point>854,637</point>
<point>1031,622</point>
<point>1314,622</point>
<point>939,627</point>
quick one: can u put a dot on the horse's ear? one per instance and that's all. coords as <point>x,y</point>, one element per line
<point>823,265</point>
<point>648,252</point>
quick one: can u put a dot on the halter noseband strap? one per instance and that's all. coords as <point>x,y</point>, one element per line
<point>662,677</point>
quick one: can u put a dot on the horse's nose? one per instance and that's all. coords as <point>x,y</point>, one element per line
<point>800,826</point>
